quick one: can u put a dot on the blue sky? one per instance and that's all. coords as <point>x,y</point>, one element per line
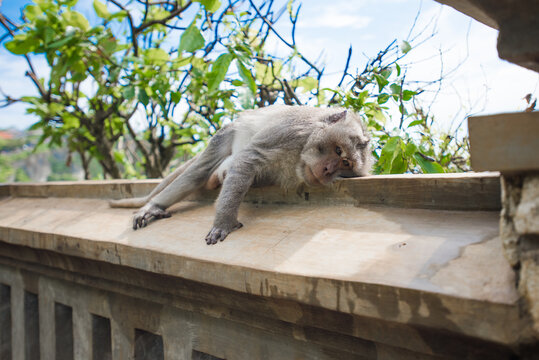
<point>476,81</point>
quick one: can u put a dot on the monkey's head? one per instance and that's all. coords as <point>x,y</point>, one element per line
<point>340,148</point>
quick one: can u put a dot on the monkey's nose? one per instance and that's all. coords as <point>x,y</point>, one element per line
<point>328,172</point>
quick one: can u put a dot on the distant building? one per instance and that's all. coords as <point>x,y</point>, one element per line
<point>6,135</point>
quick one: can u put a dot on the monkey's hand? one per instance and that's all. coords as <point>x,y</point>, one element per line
<point>146,213</point>
<point>217,234</point>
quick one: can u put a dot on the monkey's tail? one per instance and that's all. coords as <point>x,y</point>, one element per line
<point>141,201</point>
<point>129,203</point>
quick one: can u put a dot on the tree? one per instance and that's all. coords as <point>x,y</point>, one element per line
<point>188,67</point>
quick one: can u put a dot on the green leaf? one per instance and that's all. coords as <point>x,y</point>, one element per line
<point>101,10</point>
<point>403,110</point>
<point>395,89</point>
<point>119,156</point>
<point>246,76</point>
<point>175,97</point>
<point>110,45</point>
<point>263,74</point>
<point>415,122</point>
<point>32,12</point>
<point>428,167</point>
<point>143,97</point>
<point>21,44</point>
<point>210,5</point>
<point>46,5</point>
<point>68,3</point>
<point>408,94</point>
<point>381,82</point>
<point>405,47</point>
<point>383,98</point>
<point>218,71</point>
<point>48,34</point>
<point>388,154</point>
<point>217,117</point>
<point>191,39</point>
<point>398,69</point>
<point>128,92</point>
<point>180,62</point>
<point>386,73</point>
<point>120,15</point>
<point>59,43</point>
<point>399,165</point>
<point>76,19</point>
<point>308,83</point>
<point>156,56</point>
<point>411,149</point>
<point>70,121</point>
<point>157,13</point>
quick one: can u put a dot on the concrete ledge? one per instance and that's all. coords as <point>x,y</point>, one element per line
<point>355,277</point>
<point>507,143</point>
<point>370,261</point>
<point>463,191</point>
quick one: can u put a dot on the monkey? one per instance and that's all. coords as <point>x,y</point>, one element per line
<point>289,146</point>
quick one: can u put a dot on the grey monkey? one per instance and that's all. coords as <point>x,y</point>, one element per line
<point>289,146</point>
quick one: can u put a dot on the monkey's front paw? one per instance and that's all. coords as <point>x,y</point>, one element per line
<point>144,215</point>
<point>216,234</point>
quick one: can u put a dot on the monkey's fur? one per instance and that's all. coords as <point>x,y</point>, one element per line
<point>285,145</point>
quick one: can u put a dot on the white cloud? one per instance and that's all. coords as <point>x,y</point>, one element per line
<point>337,20</point>
<point>336,17</point>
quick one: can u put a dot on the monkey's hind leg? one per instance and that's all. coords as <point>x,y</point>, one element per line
<point>141,201</point>
<point>192,179</point>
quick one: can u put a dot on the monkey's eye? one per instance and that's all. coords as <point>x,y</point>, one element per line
<point>346,163</point>
<point>362,145</point>
<point>338,150</point>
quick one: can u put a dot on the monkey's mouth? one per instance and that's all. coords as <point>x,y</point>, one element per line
<point>311,178</point>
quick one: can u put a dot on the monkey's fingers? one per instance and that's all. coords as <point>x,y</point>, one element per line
<point>136,220</point>
<point>141,220</point>
<point>215,235</point>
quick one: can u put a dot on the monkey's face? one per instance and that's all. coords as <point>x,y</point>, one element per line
<point>339,150</point>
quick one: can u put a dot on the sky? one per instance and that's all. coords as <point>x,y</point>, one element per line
<point>463,50</point>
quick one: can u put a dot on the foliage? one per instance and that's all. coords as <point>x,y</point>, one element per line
<point>188,67</point>
<point>20,159</point>
<point>412,146</point>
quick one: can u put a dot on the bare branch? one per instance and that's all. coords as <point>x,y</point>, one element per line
<point>344,73</point>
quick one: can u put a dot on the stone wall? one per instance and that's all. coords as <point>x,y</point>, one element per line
<point>519,230</point>
<point>415,271</point>
<point>509,143</point>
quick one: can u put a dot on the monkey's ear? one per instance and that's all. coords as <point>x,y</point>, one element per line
<point>332,119</point>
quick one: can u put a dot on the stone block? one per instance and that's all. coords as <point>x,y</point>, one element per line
<point>529,288</point>
<point>527,215</point>
<point>507,143</point>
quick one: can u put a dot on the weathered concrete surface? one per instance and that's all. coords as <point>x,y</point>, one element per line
<point>370,261</point>
<point>517,22</point>
<point>504,142</point>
